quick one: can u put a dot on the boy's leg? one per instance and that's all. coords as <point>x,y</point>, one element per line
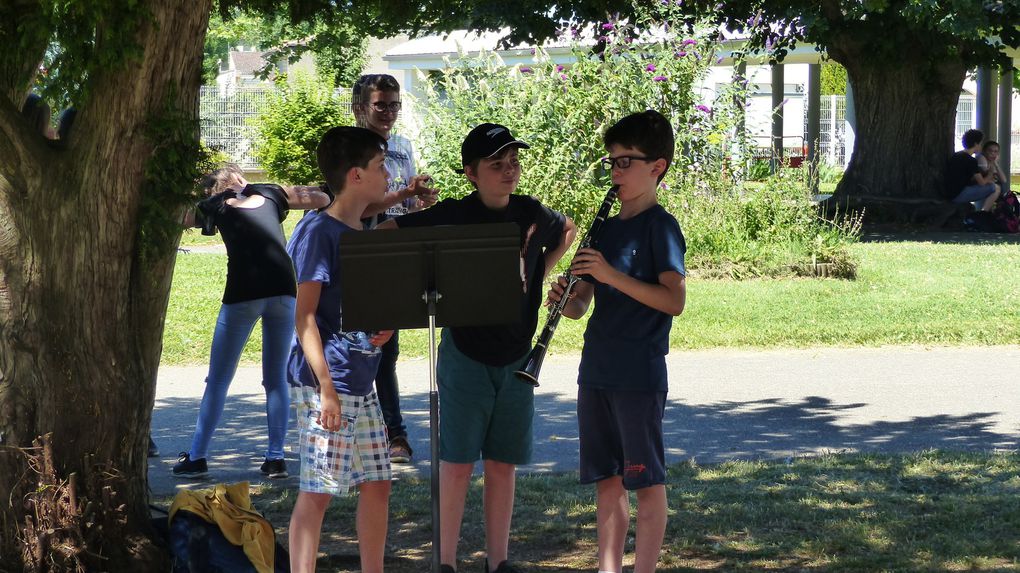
<point>233,327</point>
<point>277,332</point>
<point>372,521</point>
<point>498,500</point>
<point>305,526</point>
<point>612,516</point>
<point>387,388</point>
<point>453,485</point>
<point>651,527</point>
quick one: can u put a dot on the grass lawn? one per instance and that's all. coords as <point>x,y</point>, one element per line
<point>929,511</point>
<point>905,293</point>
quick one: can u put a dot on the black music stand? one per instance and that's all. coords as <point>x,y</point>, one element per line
<point>464,275</point>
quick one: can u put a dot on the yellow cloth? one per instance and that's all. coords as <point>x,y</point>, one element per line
<point>229,507</point>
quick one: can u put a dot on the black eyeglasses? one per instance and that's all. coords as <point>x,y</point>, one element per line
<point>381,106</point>
<point>622,161</point>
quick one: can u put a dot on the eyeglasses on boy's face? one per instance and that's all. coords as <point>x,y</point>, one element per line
<point>382,107</point>
<point>623,161</point>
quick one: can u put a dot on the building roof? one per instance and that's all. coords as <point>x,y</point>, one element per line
<point>248,63</point>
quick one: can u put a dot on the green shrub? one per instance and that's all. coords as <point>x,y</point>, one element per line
<point>292,123</point>
<point>562,110</point>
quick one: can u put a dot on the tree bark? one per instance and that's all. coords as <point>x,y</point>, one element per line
<point>905,114</point>
<point>82,301</point>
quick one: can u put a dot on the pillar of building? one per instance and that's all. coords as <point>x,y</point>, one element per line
<point>1005,123</point>
<point>778,91</point>
<point>814,122</point>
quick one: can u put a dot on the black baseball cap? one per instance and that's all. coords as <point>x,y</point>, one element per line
<point>486,140</point>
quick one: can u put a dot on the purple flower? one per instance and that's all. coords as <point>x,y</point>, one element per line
<point>703,108</point>
<point>659,79</point>
<point>719,60</point>
<point>607,26</point>
<point>559,67</point>
<point>681,54</point>
<point>532,51</point>
<point>689,42</point>
<point>603,38</point>
<point>563,76</point>
<point>663,186</point>
<point>525,70</point>
<point>650,68</point>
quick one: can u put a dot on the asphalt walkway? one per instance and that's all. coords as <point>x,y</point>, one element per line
<point>723,405</point>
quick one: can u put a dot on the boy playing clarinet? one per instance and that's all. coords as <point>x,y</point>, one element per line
<point>636,277</point>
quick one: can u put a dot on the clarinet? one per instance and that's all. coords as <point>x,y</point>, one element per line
<point>533,365</point>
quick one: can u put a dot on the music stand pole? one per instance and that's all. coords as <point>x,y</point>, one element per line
<point>432,297</point>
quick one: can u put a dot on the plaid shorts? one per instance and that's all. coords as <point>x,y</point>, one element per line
<point>336,462</point>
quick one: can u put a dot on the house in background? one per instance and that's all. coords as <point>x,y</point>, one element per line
<point>412,61</point>
<point>244,64</point>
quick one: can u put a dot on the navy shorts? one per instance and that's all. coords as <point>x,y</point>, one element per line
<point>621,435</point>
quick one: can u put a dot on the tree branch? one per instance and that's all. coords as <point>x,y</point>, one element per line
<point>26,31</point>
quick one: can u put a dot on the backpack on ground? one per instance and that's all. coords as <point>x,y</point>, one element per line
<point>1007,213</point>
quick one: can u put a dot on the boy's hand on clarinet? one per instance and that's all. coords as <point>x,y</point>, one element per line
<point>381,337</point>
<point>329,413</point>
<point>591,262</point>
<point>556,289</point>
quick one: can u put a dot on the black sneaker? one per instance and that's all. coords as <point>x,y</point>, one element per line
<point>504,567</point>
<point>189,468</point>
<point>274,469</point>
<point>400,450</point>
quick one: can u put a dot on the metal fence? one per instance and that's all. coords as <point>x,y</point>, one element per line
<point>226,120</point>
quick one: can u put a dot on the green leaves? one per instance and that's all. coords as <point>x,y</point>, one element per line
<point>292,124</point>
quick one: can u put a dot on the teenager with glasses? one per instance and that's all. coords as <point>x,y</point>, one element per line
<point>375,101</point>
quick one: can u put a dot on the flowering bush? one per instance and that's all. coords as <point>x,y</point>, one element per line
<point>561,110</point>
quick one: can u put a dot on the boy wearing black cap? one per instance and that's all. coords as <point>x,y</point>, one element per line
<point>486,412</point>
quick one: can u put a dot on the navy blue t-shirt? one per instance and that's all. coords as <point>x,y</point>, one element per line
<point>626,342</point>
<point>352,360</point>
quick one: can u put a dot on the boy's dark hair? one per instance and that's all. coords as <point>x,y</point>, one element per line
<point>216,182</point>
<point>989,143</point>
<point>37,112</point>
<point>971,137</point>
<point>648,131</point>
<point>344,148</point>
<point>369,83</point>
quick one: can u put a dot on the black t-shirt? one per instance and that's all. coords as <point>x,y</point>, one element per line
<point>541,230</point>
<point>257,262</point>
<point>960,174</point>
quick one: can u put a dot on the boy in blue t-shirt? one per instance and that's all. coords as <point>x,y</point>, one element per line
<point>636,276</point>
<point>342,434</point>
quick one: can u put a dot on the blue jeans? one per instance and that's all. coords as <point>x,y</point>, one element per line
<point>975,194</point>
<point>388,390</point>
<point>233,327</point>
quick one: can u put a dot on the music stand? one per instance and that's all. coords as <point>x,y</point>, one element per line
<point>463,275</point>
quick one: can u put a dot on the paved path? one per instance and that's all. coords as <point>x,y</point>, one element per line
<point>723,404</point>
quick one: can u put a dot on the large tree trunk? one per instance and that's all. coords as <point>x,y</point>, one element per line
<point>905,114</point>
<point>84,280</point>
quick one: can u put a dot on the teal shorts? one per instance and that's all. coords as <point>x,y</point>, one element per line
<point>484,411</point>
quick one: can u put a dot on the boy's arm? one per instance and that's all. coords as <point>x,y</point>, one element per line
<point>553,256</point>
<point>668,295</point>
<point>416,188</point>
<point>311,344</point>
<point>304,197</point>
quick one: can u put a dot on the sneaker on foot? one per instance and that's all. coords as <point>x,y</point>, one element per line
<point>504,567</point>
<point>400,450</point>
<point>189,468</point>
<point>274,469</point>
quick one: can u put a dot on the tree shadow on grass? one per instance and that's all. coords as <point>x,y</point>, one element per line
<point>900,235</point>
<point>709,433</point>
<point>760,518</point>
